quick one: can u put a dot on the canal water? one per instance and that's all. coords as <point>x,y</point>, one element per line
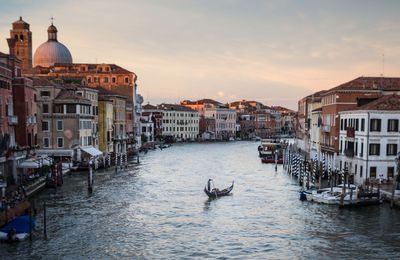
<point>158,210</point>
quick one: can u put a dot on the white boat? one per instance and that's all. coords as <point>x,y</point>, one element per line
<point>16,237</point>
<point>333,196</point>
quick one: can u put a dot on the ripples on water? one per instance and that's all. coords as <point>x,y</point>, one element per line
<point>157,210</point>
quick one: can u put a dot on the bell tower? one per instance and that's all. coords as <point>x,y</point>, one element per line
<point>20,44</point>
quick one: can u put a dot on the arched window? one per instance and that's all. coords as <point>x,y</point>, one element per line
<point>21,37</point>
<point>16,37</point>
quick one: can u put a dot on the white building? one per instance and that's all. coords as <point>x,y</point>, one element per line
<point>370,139</point>
<point>180,122</point>
<point>137,110</point>
<point>315,134</point>
<point>225,120</point>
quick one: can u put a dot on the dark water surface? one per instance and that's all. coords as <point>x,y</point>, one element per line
<point>158,210</point>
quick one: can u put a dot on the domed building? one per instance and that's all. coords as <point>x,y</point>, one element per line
<point>52,51</point>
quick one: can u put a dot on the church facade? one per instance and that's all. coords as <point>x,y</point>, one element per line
<point>53,60</point>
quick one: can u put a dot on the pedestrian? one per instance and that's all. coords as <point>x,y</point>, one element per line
<point>381,178</point>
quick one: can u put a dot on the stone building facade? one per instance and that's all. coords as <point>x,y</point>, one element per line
<point>179,122</point>
<point>369,139</point>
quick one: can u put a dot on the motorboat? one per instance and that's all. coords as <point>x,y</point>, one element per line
<point>270,151</point>
<point>331,195</point>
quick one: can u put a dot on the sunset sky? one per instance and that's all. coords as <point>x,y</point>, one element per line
<point>275,52</point>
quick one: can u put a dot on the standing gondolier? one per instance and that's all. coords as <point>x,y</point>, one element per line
<point>209,184</point>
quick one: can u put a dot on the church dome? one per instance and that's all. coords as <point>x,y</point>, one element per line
<point>52,51</point>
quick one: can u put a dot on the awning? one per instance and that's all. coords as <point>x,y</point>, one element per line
<point>29,165</point>
<point>92,151</point>
<point>56,152</point>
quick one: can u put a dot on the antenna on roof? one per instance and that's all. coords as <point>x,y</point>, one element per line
<point>383,65</point>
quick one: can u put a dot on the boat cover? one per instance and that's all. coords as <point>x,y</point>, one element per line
<point>20,224</point>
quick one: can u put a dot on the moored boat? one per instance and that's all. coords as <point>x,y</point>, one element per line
<point>270,151</point>
<point>331,195</point>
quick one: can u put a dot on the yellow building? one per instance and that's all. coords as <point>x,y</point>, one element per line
<point>106,120</point>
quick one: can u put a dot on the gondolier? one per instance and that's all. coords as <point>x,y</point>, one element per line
<point>209,184</point>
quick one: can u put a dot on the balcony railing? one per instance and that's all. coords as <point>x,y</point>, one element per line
<point>12,120</point>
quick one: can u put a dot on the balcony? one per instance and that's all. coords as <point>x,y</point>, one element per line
<point>349,152</point>
<point>326,128</point>
<point>12,120</point>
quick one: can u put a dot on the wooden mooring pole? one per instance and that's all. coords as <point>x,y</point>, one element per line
<point>44,220</point>
<point>30,223</point>
<point>90,177</point>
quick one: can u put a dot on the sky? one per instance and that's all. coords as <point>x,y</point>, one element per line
<point>275,52</point>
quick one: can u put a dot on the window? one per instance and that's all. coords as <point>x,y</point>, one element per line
<point>361,171</point>
<point>362,150</point>
<point>106,80</point>
<point>374,149</point>
<point>45,108</point>
<point>126,80</point>
<point>341,124</point>
<point>46,142</point>
<point>390,172</point>
<point>375,125</point>
<point>60,142</point>
<point>393,125</point>
<point>59,109</point>
<point>89,80</point>
<point>71,108</point>
<point>113,79</point>
<point>391,149</point>
<point>362,124</point>
<point>357,124</point>
<point>45,126</point>
<point>45,93</point>
<point>372,172</point>
<point>59,125</point>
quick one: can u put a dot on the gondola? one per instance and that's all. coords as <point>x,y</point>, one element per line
<point>215,193</point>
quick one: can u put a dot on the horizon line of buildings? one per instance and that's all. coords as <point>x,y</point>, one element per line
<point>52,107</point>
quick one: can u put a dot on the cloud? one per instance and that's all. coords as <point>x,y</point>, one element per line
<point>272,51</point>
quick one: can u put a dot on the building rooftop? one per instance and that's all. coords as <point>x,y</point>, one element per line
<point>369,83</point>
<point>149,107</point>
<point>105,92</point>
<point>39,81</point>
<point>91,67</point>
<point>386,102</point>
<point>201,102</point>
<point>175,107</point>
